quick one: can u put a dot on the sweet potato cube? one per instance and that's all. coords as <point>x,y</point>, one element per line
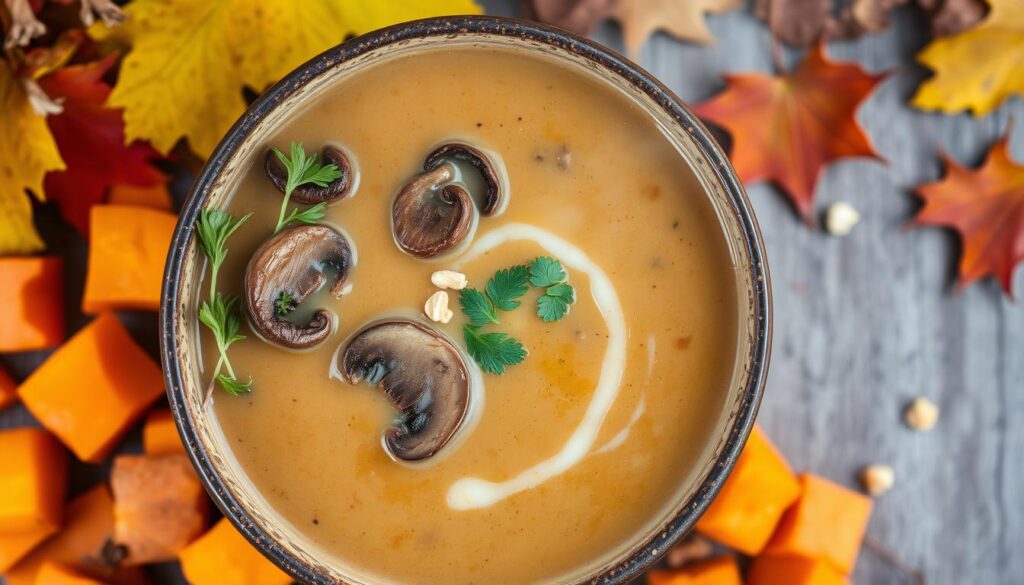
<point>159,506</point>
<point>773,570</point>
<point>54,574</point>
<point>127,251</point>
<point>753,499</point>
<point>14,547</point>
<point>32,314</point>
<point>224,557</point>
<point>93,388</point>
<point>160,435</point>
<point>721,570</point>
<point>8,389</point>
<point>88,527</point>
<point>827,522</point>
<point>155,196</point>
<point>33,479</point>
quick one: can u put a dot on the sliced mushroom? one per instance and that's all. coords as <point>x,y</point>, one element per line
<point>429,217</point>
<point>285,270</point>
<point>492,197</point>
<point>432,214</point>
<point>422,373</point>
<point>310,193</point>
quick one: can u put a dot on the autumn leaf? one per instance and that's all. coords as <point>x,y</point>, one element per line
<point>986,206</point>
<point>190,59</point>
<point>27,152</point>
<point>787,128</point>
<point>90,138</point>
<point>682,18</point>
<point>979,68</point>
<point>578,16</point>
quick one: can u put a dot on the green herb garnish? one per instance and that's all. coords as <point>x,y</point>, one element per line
<point>558,294</point>
<point>219,313</point>
<point>545,271</point>
<point>506,286</point>
<point>493,351</point>
<point>477,306</point>
<point>303,170</point>
<point>285,303</point>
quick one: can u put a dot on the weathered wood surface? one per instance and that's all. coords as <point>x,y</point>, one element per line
<point>863,323</point>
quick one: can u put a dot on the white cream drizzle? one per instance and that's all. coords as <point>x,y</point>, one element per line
<point>621,436</point>
<point>471,493</point>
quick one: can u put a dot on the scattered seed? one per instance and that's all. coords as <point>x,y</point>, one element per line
<point>921,414</point>
<point>840,218</point>
<point>877,479</point>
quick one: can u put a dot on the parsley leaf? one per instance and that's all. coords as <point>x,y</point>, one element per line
<point>477,306</point>
<point>303,169</point>
<point>310,215</point>
<point>551,308</point>
<point>546,271</point>
<point>284,303</point>
<point>220,314</point>
<point>506,286</point>
<point>234,387</point>
<point>563,291</point>
<point>493,351</point>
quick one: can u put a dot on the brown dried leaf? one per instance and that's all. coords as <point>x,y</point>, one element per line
<point>578,16</point>
<point>682,18</point>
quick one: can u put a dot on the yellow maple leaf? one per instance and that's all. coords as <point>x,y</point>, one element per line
<point>27,153</point>
<point>682,18</point>
<point>190,59</point>
<point>978,68</point>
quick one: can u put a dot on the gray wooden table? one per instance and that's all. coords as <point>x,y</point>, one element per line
<point>863,323</point>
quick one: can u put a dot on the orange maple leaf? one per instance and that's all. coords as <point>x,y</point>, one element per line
<point>787,128</point>
<point>986,206</point>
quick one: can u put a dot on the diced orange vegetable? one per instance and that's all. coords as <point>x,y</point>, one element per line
<point>159,506</point>
<point>54,574</point>
<point>32,314</point>
<point>88,525</point>
<point>127,251</point>
<point>827,522</point>
<point>721,570</point>
<point>224,557</point>
<point>773,570</point>
<point>93,388</point>
<point>15,546</point>
<point>33,478</point>
<point>159,435</point>
<point>8,389</point>
<point>155,196</point>
<point>758,491</point>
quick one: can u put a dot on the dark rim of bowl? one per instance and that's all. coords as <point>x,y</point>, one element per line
<point>643,555</point>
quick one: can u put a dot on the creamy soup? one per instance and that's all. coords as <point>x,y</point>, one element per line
<point>566,457</point>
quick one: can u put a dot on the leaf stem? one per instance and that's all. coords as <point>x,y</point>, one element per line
<point>284,207</point>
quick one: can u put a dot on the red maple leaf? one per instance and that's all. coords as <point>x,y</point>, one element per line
<point>787,128</point>
<point>90,138</point>
<point>986,206</point>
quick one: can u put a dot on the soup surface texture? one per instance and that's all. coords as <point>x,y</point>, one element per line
<point>589,174</point>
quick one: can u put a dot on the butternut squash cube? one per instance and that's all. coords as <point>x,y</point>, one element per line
<point>160,435</point>
<point>827,522</point>
<point>33,479</point>
<point>127,251</point>
<point>54,574</point>
<point>88,526</point>
<point>14,547</point>
<point>772,570</point>
<point>224,557</point>
<point>159,506</point>
<point>154,196</point>
<point>8,389</point>
<point>32,314</point>
<point>721,570</point>
<point>93,388</point>
<point>758,491</point>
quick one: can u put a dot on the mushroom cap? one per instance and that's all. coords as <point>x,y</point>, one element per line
<point>293,262</point>
<point>494,196</point>
<point>309,193</point>
<point>424,376</point>
<point>427,223</point>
